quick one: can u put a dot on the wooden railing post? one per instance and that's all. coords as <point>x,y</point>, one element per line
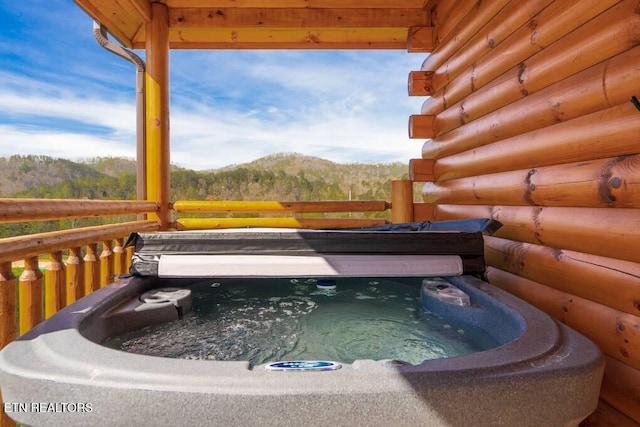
<point>91,269</point>
<point>401,201</point>
<point>106,264</point>
<point>8,327</point>
<point>30,295</point>
<point>54,285</point>
<point>75,276</point>
<point>119,257</point>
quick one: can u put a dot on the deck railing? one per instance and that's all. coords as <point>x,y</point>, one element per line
<point>78,261</point>
<point>277,208</point>
<point>94,255</point>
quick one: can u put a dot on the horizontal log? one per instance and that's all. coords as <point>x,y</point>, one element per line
<point>606,415</point>
<point>616,333</point>
<point>313,223</point>
<point>22,210</point>
<point>234,17</point>
<point>621,388</point>
<point>607,281</point>
<point>15,248</point>
<point>455,15</point>
<point>541,48</point>
<point>506,22</point>
<point>611,182</point>
<point>420,39</point>
<point>477,17</point>
<point>420,126</point>
<point>295,4</point>
<point>613,233</point>
<point>228,206</point>
<point>424,212</point>
<point>283,38</point>
<point>421,170</point>
<point>607,133</point>
<point>504,109</point>
<point>419,83</point>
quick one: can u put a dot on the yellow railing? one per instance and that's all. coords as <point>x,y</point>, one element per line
<point>272,207</point>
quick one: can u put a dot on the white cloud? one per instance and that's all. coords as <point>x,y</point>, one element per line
<point>226,106</point>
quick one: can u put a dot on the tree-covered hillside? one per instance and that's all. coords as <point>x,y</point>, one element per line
<point>282,177</point>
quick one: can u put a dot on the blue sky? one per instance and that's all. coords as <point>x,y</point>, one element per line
<point>62,95</point>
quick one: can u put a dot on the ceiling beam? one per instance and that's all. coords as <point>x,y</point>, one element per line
<point>286,38</point>
<point>292,18</point>
<point>296,4</point>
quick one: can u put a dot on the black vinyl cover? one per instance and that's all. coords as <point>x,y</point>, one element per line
<point>463,238</point>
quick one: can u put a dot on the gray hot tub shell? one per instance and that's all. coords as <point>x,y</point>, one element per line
<point>543,374</point>
<point>548,375</point>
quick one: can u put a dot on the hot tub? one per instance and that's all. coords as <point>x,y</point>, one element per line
<point>541,373</point>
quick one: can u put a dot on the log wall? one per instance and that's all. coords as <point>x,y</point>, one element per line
<point>530,121</point>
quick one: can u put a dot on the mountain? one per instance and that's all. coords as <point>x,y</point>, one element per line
<point>285,177</point>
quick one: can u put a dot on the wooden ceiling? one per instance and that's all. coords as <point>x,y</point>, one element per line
<point>267,24</point>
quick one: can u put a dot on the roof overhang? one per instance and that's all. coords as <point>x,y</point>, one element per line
<point>269,24</point>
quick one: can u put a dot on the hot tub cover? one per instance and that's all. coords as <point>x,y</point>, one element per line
<point>459,244</point>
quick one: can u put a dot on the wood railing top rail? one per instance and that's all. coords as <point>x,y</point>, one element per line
<point>228,206</point>
<point>15,248</point>
<point>22,210</point>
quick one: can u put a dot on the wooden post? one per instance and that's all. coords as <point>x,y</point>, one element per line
<point>54,285</point>
<point>401,201</point>
<point>157,112</point>
<point>30,295</point>
<point>129,256</point>
<point>106,264</point>
<point>8,326</point>
<point>91,269</point>
<point>75,276</point>
<point>119,257</point>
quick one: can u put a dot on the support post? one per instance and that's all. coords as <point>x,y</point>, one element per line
<point>401,201</point>
<point>30,295</point>
<point>54,285</point>
<point>157,113</point>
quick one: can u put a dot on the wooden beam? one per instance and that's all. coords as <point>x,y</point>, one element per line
<point>621,388</point>
<point>157,114</point>
<point>220,17</point>
<point>401,201</point>
<point>476,20</point>
<point>559,29</point>
<point>616,333</point>
<point>421,126</point>
<point>607,133</point>
<point>280,207</point>
<point>420,40</point>
<point>420,83</point>
<point>612,182</point>
<point>284,38</point>
<point>293,4</point>
<point>613,233</point>
<point>312,223</point>
<point>607,281</point>
<point>505,108</point>
<point>33,245</point>
<point>22,210</point>
<point>421,170</point>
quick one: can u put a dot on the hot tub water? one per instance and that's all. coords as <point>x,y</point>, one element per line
<point>267,320</point>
